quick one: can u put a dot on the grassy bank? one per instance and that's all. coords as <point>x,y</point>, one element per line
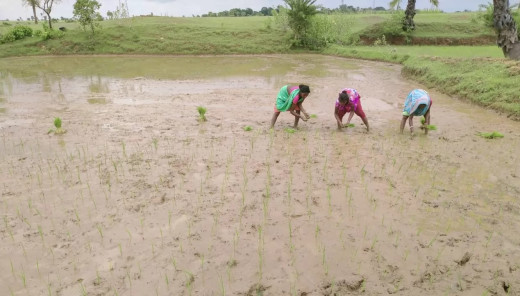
<point>476,73</point>
<point>159,35</point>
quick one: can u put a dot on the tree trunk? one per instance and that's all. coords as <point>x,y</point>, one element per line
<point>409,13</point>
<point>505,26</point>
<point>50,19</point>
<point>35,15</point>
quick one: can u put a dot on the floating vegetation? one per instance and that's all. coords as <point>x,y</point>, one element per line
<point>492,135</point>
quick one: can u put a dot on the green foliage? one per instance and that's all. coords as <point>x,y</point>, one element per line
<point>290,130</point>
<point>314,116</point>
<point>86,12</point>
<point>300,13</point>
<point>248,128</point>
<point>390,28</point>
<point>491,135</point>
<point>18,32</point>
<point>349,125</point>
<point>329,29</point>
<point>485,15</point>
<point>202,113</point>
<point>57,122</point>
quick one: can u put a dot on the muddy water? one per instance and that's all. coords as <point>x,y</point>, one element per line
<point>138,196</point>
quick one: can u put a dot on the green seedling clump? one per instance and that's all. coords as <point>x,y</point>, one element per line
<point>492,135</point>
<point>430,127</point>
<point>423,120</point>
<point>290,130</point>
<point>57,124</point>
<point>248,128</point>
<point>202,113</point>
<point>314,116</point>
<point>349,125</point>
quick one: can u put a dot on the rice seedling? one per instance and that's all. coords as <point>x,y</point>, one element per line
<point>491,135</point>
<point>290,130</point>
<point>58,130</point>
<point>248,128</point>
<point>100,231</point>
<point>349,125</point>
<point>314,116</point>
<point>202,113</point>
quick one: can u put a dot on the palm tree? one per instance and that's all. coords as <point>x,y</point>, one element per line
<point>505,26</point>
<point>409,13</point>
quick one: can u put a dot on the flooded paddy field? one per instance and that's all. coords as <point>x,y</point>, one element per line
<point>138,197</point>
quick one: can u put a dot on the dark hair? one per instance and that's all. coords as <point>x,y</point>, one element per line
<point>304,88</point>
<point>343,97</point>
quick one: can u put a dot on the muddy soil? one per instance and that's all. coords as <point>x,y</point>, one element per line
<point>139,197</point>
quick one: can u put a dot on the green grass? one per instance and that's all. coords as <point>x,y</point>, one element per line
<point>160,35</point>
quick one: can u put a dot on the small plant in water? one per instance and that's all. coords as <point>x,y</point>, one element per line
<point>290,130</point>
<point>314,116</point>
<point>202,113</point>
<point>248,128</point>
<point>57,125</point>
<point>492,135</point>
<point>349,125</point>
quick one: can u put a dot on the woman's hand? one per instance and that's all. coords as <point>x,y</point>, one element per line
<point>306,115</point>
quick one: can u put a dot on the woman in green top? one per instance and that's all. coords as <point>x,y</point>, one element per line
<point>290,98</point>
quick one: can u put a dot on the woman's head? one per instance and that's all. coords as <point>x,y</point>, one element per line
<point>421,109</point>
<point>304,90</point>
<point>343,98</point>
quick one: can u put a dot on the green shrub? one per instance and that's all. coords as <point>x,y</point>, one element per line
<point>8,37</point>
<point>16,33</point>
<point>21,32</point>
<point>327,29</point>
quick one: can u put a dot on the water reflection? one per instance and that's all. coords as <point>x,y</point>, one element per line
<point>90,78</point>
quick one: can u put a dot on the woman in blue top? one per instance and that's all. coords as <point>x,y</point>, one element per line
<point>417,103</point>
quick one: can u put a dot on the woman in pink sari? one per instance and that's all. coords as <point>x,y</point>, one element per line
<point>349,101</point>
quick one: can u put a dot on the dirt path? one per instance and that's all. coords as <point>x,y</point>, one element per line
<point>138,197</point>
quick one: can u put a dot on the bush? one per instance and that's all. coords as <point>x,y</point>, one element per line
<point>8,37</point>
<point>21,32</point>
<point>16,33</point>
<point>391,29</point>
<point>328,29</point>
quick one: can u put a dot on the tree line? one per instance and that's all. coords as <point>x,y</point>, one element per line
<point>299,13</point>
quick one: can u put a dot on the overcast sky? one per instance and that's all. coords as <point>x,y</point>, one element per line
<point>13,9</point>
